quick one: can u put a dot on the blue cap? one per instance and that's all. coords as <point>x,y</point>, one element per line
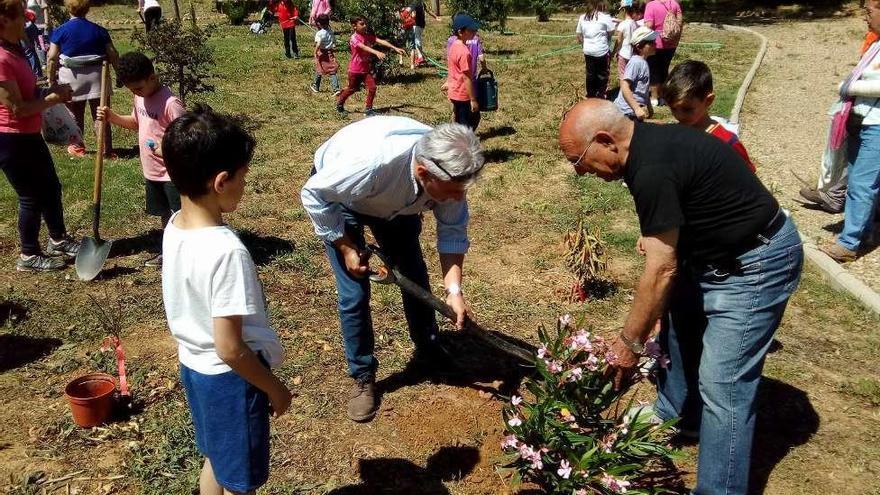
<point>464,21</point>
<point>626,3</point>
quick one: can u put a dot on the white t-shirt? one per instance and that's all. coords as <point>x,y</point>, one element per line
<point>626,27</point>
<point>595,33</point>
<point>149,4</point>
<point>208,273</point>
<point>325,39</point>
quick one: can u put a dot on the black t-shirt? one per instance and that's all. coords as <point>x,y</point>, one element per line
<point>682,177</point>
<point>418,9</point>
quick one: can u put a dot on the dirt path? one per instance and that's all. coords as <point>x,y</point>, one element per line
<point>785,122</point>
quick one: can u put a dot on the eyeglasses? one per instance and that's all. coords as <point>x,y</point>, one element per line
<point>462,178</point>
<point>578,162</point>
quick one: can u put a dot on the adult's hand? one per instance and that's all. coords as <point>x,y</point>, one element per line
<point>460,306</point>
<point>60,93</point>
<point>624,363</point>
<point>355,259</point>
<point>280,398</point>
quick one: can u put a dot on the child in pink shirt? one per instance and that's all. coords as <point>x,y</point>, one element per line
<point>155,107</point>
<point>459,84</point>
<point>360,67</point>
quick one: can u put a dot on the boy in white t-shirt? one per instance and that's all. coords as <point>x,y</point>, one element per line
<point>633,12</point>
<point>215,305</point>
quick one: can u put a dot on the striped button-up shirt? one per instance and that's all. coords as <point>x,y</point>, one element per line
<point>367,168</point>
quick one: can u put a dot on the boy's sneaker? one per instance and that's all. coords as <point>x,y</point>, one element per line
<point>341,110</point>
<point>155,261</point>
<point>362,400</point>
<point>66,247</point>
<point>369,112</point>
<point>38,263</point>
<point>76,150</point>
<point>313,88</point>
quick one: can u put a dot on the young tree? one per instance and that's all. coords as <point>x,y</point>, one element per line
<point>182,55</point>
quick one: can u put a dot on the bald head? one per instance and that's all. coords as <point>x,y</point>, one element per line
<point>596,121</point>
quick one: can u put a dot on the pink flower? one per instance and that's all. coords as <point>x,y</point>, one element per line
<point>614,484</point>
<point>576,374</point>
<point>652,349</point>
<point>581,341</point>
<point>516,400</point>
<point>608,442</point>
<point>624,425</point>
<point>531,455</point>
<point>514,421</point>
<point>611,358</point>
<point>542,351</point>
<point>564,469</point>
<point>554,366</point>
<point>592,363</point>
<point>565,320</point>
<point>509,442</point>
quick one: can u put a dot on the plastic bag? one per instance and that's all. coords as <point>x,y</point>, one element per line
<point>59,126</point>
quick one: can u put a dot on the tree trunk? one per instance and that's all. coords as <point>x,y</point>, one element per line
<point>437,7</point>
<point>176,10</point>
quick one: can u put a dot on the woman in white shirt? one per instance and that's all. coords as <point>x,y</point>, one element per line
<point>594,30</point>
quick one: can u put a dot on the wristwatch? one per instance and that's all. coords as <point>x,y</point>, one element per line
<point>633,345</point>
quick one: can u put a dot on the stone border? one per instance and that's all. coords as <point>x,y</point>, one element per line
<point>832,272</point>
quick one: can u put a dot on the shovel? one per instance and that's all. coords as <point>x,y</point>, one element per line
<point>389,274</point>
<point>93,251</point>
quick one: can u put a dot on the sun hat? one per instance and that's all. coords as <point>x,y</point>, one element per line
<point>643,33</point>
<point>464,21</point>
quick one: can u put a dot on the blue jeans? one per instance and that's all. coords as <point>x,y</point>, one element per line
<point>399,240</point>
<point>863,184</point>
<point>717,332</point>
<point>334,81</point>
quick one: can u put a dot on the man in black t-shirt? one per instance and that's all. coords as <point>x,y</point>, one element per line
<point>719,254</point>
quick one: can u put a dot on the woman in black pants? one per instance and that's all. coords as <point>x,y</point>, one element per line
<point>24,157</point>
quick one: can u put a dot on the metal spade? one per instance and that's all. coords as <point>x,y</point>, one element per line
<point>93,251</point>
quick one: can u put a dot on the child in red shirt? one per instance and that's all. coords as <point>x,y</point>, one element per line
<point>288,16</point>
<point>360,66</point>
<point>459,84</point>
<point>689,94</point>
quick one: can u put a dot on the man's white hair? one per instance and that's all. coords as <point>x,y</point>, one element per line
<point>451,152</point>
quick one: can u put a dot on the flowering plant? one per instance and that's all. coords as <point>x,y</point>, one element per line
<point>572,436</point>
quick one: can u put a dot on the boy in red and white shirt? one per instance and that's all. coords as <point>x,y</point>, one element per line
<point>689,93</point>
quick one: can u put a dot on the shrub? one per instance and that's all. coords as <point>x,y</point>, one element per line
<point>236,11</point>
<point>573,435</point>
<point>543,9</point>
<point>181,55</point>
<point>491,14</point>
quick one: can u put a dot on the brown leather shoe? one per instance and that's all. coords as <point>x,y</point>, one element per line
<point>813,196</point>
<point>839,253</point>
<point>362,401</point>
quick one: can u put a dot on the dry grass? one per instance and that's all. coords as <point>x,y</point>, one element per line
<point>428,438</point>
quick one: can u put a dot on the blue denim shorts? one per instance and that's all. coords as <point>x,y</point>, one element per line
<point>231,420</point>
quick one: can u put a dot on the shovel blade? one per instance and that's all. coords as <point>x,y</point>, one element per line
<point>91,257</point>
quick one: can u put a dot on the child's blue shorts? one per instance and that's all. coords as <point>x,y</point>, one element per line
<point>231,419</point>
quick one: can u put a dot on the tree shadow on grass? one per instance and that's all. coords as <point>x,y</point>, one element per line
<point>264,249</point>
<point>500,155</point>
<point>785,419</point>
<point>410,78</point>
<point>147,242</point>
<point>503,52</point>
<point>469,362</point>
<point>764,11</point>
<point>399,109</point>
<point>18,350</point>
<point>389,476</point>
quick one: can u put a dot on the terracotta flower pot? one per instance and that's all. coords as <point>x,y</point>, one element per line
<point>91,398</point>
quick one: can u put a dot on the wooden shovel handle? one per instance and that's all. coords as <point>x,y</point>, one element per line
<point>99,156</point>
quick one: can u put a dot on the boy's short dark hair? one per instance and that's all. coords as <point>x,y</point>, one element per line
<point>355,20</point>
<point>323,20</point>
<point>689,79</point>
<point>200,144</point>
<point>133,67</point>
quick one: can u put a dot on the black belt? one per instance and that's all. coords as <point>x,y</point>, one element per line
<point>732,264</point>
